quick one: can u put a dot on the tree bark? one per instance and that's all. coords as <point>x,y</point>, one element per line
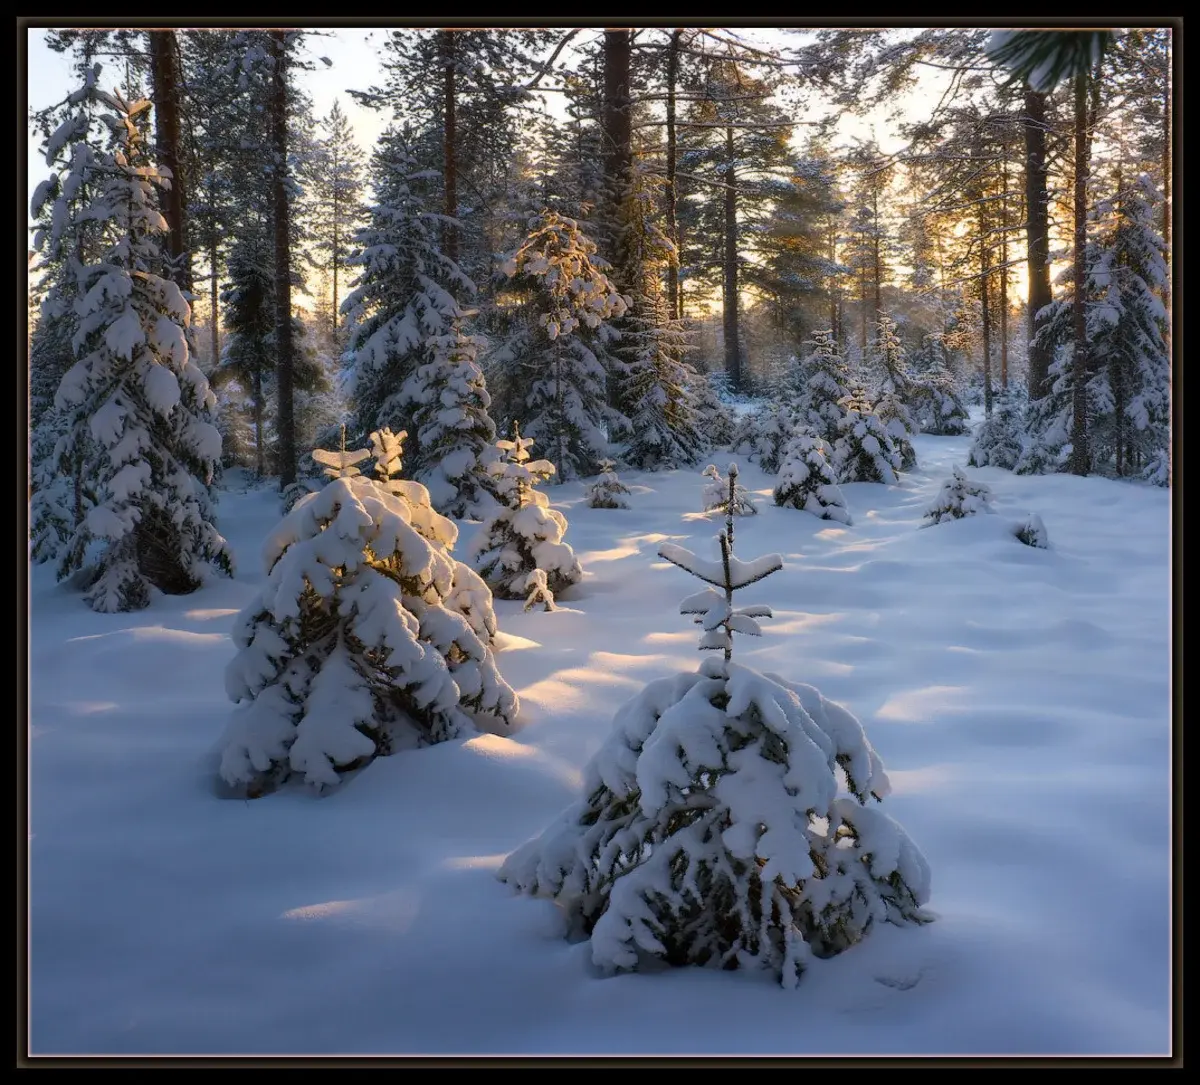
<point>1004,277</point>
<point>618,130</point>
<point>674,305</point>
<point>450,178</point>
<point>1037,236</point>
<point>986,324</point>
<point>214,301</point>
<point>165,74</point>
<point>733,357</point>
<point>1080,459</point>
<point>285,419</point>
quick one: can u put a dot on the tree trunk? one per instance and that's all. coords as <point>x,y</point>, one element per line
<point>986,325</point>
<point>259,442</point>
<point>449,60</point>
<point>878,264</point>
<point>618,132</point>
<point>1004,277</point>
<point>1037,236</point>
<point>165,73</point>
<point>285,420</point>
<point>214,301</point>
<point>1080,460</point>
<point>733,356</point>
<point>674,306</point>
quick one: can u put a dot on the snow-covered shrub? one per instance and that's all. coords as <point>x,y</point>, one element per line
<point>726,495</point>
<point>959,497</point>
<point>524,534</point>
<point>608,491</point>
<point>1158,471</point>
<point>763,435</point>
<point>863,451</point>
<point>826,383</point>
<point>367,637</point>
<point>1032,532</point>
<point>807,480</point>
<point>999,440</point>
<point>937,404</point>
<point>727,822</point>
<point>539,591</point>
<point>715,422</point>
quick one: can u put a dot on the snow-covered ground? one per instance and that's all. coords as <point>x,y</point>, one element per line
<point>1019,698</point>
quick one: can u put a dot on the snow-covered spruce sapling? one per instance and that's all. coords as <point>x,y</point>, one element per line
<point>959,497</point>
<point>713,828</point>
<point>726,494</point>
<point>999,440</point>
<point>526,534</point>
<point>863,451</point>
<point>807,480</point>
<point>1032,532</point>
<point>539,591</point>
<point>608,491</point>
<point>367,637</point>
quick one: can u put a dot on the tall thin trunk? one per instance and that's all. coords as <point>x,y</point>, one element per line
<point>877,262</point>
<point>1080,458</point>
<point>450,178</point>
<point>285,419</point>
<point>618,130</point>
<point>733,355</point>
<point>1004,276</point>
<point>259,441</point>
<point>1166,215</point>
<point>674,306</point>
<point>1037,236</point>
<point>165,73</point>
<point>862,309</point>
<point>215,314</point>
<point>985,316</point>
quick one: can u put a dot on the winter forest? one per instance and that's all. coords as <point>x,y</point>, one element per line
<point>385,442</point>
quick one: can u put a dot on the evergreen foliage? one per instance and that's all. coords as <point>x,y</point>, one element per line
<point>808,481</point>
<point>959,497</point>
<point>608,491</point>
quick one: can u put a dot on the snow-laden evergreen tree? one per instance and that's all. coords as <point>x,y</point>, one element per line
<point>808,481</point>
<point>763,435</point>
<point>553,359</point>
<point>525,533</point>
<point>539,591</point>
<point>653,391</point>
<point>714,419</point>
<point>999,440</point>
<point>406,293</point>
<point>607,491</point>
<point>825,382</point>
<point>863,451</point>
<point>895,391</point>
<point>1032,532</point>
<point>136,409</point>
<point>727,822</point>
<point>725,494</point>
<point>456,435</point>
<point>937,404</point>
<point>367,638</point>
<point>959,497</point>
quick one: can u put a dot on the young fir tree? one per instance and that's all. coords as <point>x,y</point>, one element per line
<point>456,435</point>
<point>608,491</point>
<point>136,408</point>
<point>808,481</point>
<point>406,293</point>
<point>553,355</point>
<point>714,420</point>
<point>726,495</point>
<point>763,435</point>
<point>959,497</point>
<point>895,391</point>
<point>998,441</point>
<point>937,404</point>
<point>714,829</point>
<point>525,534</point>
<point>826,382</point>
<point>864,451</point>
<point>368,637</point>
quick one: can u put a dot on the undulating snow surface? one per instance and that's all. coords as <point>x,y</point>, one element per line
<point>1019,698</point>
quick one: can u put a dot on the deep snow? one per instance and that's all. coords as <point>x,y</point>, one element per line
<point>1019,698</point>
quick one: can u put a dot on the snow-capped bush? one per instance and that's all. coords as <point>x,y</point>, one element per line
<point>525,534</point>
<point>1032,532</point>
<point>539,591</point>
<point>937,404</point>
<point>863,451</point>
<point>726,495</point>
<point>763,435</point>
<point>999,440</point>
<point>959,497</point>
<point>826,383</point>
<point>608,491</point>
<point>367,637</point>
<point>714,829</point>
<point>715,421</point>
<point>807,480</point>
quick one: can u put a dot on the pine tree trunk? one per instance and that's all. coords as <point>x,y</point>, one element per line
<point>618,132</point>
<point>986,326</point>
<point>1037,234</point>
<point>674,305</point>
<point>285,420</point>
<point>165,74</point>
<point>733,357</point>
<point>214,302</point>
<point>449,60</point>
<point>1004,277</point>
<point>259,436</point>
<point>877,263</point>
<point>1080,459</point>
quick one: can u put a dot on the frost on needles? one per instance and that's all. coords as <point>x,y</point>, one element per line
<point>368,637</point>
<point>727,821</point>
